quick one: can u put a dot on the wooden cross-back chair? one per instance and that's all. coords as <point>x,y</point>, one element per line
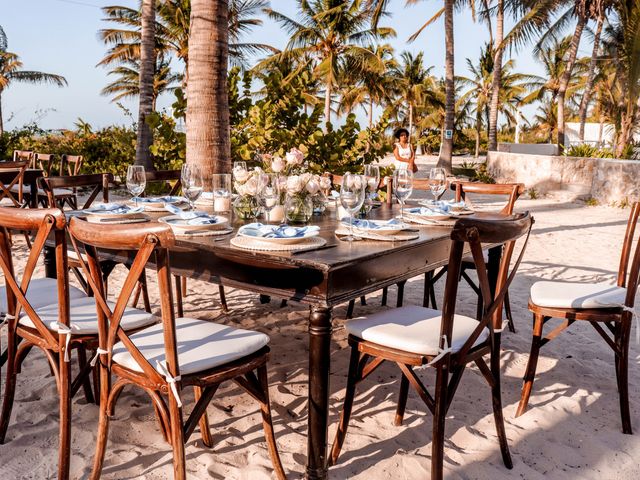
<point>609,309</point>
<point>15,187</point>
<point>414,336</point>
<point>22,155</point>
<point>71,164</point>
<point>165,358</point>
<point>66,323</point>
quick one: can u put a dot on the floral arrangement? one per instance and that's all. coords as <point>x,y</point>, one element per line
<point>293,162</point>
<point>247,182</point>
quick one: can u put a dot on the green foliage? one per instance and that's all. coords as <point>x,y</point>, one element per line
<point>169,147</point>
<point>533,193</point>
<point>589,151</point>
<point>591,202</point>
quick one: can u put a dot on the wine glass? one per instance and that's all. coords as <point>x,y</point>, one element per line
<point>269,193</point>
<point>352,193</point>
<point>192,185</point>
<point>221,183</point>
<point>372,175</point>
<point>402,186</point>
<point>437,182</point>
<point>136,181</point>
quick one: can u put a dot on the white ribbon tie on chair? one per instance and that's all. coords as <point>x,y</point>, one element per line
<point>162,368</point>
<point>441,352</point>
<point>64,330</point>
<point>99,351</point>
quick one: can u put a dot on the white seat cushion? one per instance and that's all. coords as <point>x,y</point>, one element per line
<point>41,292</point>
<point>577,295</point>
<point>201,345</point>
<point>413,329</point>
<point>83,317</point>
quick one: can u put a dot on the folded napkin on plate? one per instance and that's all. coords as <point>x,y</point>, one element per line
<point>426,212</point>
<point>276,231</point>
<point>371,224</point>
<point>114,209</point>
<point>165,199</point>
<point>194,218</point>
<point>445,206</point>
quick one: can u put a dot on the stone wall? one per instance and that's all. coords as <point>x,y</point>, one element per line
<point>530,148</point>
<point>606,180</point>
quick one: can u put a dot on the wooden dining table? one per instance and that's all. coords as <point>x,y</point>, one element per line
<point>322,278</point>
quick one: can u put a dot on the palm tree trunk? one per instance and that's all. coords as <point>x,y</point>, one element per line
<point>566,76</point>
<point>370,113</point>
<point>444,161</point>
<point>147,71</point>
<point>586,97</point>
<point>1,122</point>
<point>208,143</point>
<point>478,129</point>
<point>327,107</point>
<point>496,81</point>
<point>410,121</point>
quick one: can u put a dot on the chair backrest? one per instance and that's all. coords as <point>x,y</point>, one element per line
<point>144,240</point>
<point>44,162</point>
<point>99,181</point>
<point>71,164</point>
<point>511,190</point>
<point>44,222</point>
<point>22,155</point>
<point>629,270</point>
<point>12,174</point>
<point>171,178</point>
<point>479,233</point>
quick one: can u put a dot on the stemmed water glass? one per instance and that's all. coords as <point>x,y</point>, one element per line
<point>437,182</point>
<point>192,184</point>
<point>352,193</point>
<point>269,193</point>
<point>372,175</point>
<point>402,186</point>
<point>136,181</point>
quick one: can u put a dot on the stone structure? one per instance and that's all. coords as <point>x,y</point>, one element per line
<point>530,148</point>
<point>606,180</point>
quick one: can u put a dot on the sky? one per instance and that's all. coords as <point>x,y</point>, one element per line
<point>60,36</point>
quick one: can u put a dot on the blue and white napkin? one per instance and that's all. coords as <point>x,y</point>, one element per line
<point>113,209</point>
<point>277,231</point>
<point>193,217</point>
<point>364,224</point>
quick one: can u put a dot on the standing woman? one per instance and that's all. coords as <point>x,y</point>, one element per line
<point>403,152</point>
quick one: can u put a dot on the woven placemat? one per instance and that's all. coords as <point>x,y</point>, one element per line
<point>248,243</point>
<point>117,221</point>
<point>449,222</point>
<point>203,233</point>
<point>398,237</point>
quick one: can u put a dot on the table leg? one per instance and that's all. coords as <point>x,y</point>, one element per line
<point>50,262</point>
<point>33,188</point>
<point>319,367</point>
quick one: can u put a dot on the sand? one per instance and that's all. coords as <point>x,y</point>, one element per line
<point>571,431</point>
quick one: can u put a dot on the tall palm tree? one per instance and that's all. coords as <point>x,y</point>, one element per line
<point>329,35</point>
<point>371,87</point>
<point>496,80</point>
<point>208,142</point>
<point>146,77</point>
<point>411,82</point>
<point>11,72</point>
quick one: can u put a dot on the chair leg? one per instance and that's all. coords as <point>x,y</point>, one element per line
<point>507,311</point>
<point>385,292</point>
<point>538,323</point>
<point>400,298</point>
<point>341,433</point>
<point>267,423</point>
<point>103,424</point>
<point>622,369</point>
<point>179,307</point>
<point>223,299</point>
<point>177,440</point>
<point>205,431</point>
<point>136,295</point>
<point>9,386</point>
<point>439,414</point>
<point>184,286</point>
<point>496,397</point>
<point>402,400</point>
<point>352,304</point>
<point>64,452</point>
<point>363,300</point>
<point>86,383</point>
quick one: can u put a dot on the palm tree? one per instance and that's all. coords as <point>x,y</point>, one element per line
<point>496,80</point>
<point>208,143</point>
<point>329,35</point>
<point>11,71</point>
<point>412,81</point>
<point>147,72</point>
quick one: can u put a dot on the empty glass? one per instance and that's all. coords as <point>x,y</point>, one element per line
<point>372,175</point>
<point>437,182</point>
<point>402,186</point>
<point>352,193</point>
<point>136,181</point>
<point>221,183</point>
<point>269,193</point>
<point>192,184</point>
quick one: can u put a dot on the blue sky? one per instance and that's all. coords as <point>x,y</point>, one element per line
<point>60,36</point>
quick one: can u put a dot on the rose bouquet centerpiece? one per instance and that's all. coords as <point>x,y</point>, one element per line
<point>300,192</point>
<point>246,184</point>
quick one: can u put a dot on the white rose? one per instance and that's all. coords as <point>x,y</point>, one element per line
<point>313,186</point>
<point>240,189</point>
<point>354,181</point>
<point>251,186</point>
<point>240,174</point>
<point>295,157</point>
<point>294,185</point>
<point>277,165</point>
<point>325,183</point>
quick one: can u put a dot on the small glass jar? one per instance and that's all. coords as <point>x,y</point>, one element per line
<point>298,209</point>
<point>246,207</point>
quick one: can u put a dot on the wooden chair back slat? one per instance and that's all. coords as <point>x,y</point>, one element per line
<point>20,155</point>
<point>70,165</point>
<point>513,190</point>
<point>475,233</point>
<point>629,270</point>
<point>44,162</point>
<point>169,177</point>
<point>99,181</point>
<point>19,167</point>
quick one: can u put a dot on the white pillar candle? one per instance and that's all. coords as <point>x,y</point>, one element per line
<point>221,204</point>
<point>276,214</point>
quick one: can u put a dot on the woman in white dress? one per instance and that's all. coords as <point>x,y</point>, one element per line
<point>403,152</point>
